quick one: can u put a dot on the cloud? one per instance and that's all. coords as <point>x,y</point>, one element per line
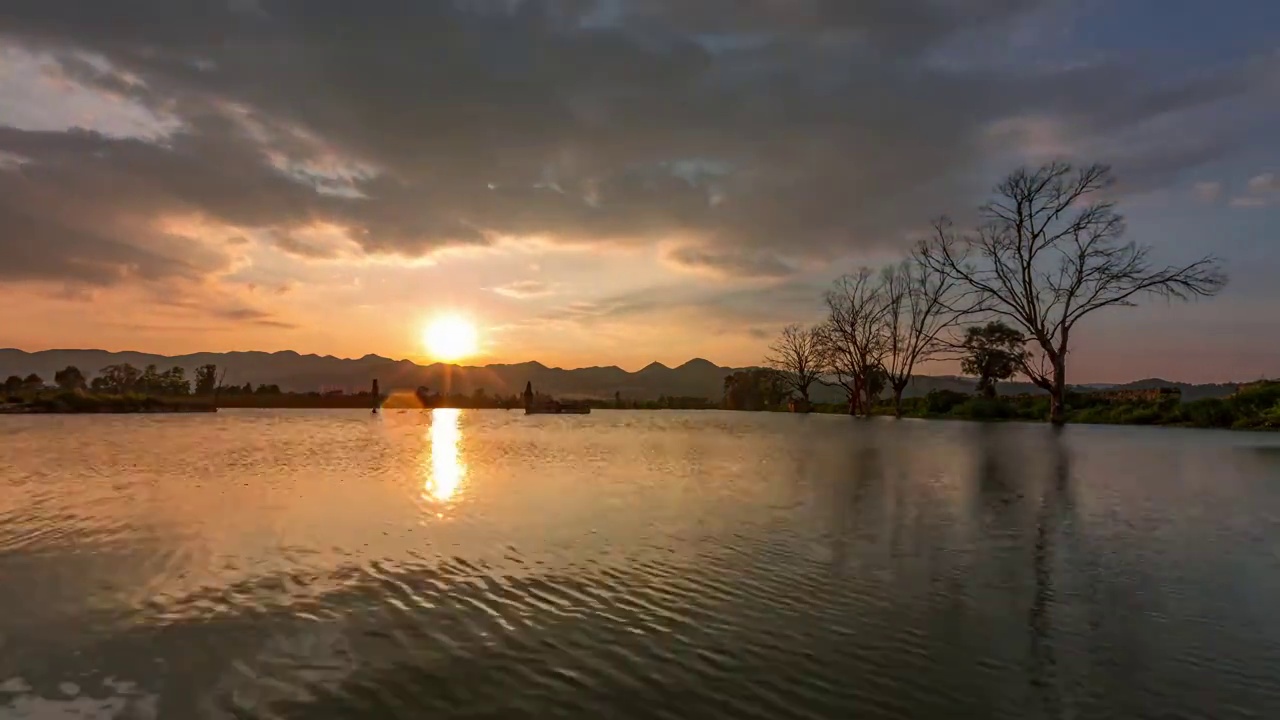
<point>714,307</point>
<point>891,26</point>
<point>524,289</point>
<point>1208,191</point>
<point>1264,184</point>
<point>728,263</point>
<point>254,316</point>
<point>1261,191</point>
<point>759,133</point>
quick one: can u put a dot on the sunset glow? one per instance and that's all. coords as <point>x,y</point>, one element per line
<point>289,193</point>
<point>450,337</point>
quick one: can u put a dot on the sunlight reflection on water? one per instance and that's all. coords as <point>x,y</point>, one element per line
<point>626,564</point>
<point>444,470</point>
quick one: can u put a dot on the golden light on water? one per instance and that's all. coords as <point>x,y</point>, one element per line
<point>446,470</point>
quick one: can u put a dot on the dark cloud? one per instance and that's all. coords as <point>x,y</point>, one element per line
<point>67,215</point>
<point>778,302</point>
<point>765,130</point>
<point>735,263</point>
<point>254,316</point>
<point>893,26</point>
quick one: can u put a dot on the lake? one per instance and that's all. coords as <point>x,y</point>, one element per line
<point>488,564</point>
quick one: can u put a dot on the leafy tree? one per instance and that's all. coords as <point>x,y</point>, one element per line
<point>206,379</point>
<point>32,382</point>
<point>754,389</point>
<point>993,352</point>
<point>70,379</point>
<point>874,385</point>
<point>174,381</point>
<point>150,382</point>
<point>941,402</point>
<point>1049,253</point>
<point>13,384</point>
<point>120,379</point>
<point>797,357</point>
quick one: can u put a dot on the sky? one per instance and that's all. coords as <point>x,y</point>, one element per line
<point>606,182</point>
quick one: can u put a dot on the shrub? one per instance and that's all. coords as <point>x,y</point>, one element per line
<point>1139,415</point>
<point>942,402</point>
<point>1097,415</point>
<point>1209,413</point>
<point>982,408</point>
<point>1257,400</point>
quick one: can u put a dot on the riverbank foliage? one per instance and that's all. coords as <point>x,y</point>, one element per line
<point>75,402</point>
<point>1255,407</point>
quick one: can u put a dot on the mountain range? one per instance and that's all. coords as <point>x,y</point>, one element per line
<point>305,373</point>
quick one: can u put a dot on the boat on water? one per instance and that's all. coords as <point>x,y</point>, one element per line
<point>533,405</point>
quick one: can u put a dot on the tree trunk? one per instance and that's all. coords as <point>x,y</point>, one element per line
<point>897,402</point>
<point>1058,393</point>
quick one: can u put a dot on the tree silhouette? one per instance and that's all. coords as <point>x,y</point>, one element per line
<point>206,379</point>
<point>70,379</point>
<point>118,379</point>
<point>1048,253</point>
<point>754,389</point>
<point>852,338</point>
<point>174,381</point>
<point>150,383</point>
<point>919,304</point>
<point>797,357</point>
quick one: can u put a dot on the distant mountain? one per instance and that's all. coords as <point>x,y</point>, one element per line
<point>304,373</point>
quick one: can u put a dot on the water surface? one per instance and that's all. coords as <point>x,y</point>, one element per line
<point>487,564</point>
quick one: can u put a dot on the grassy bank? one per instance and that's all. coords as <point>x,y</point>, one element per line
<point>76,403</point>
<point>1253,408</point>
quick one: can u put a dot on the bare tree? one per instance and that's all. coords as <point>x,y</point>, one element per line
<point>1049,253</point>
<point>797,357</point>
<point>852,337</point>
<point>920,303</point>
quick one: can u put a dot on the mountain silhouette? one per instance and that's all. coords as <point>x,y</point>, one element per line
<point>305,373</point>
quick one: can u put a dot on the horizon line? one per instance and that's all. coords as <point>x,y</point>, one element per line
<point>556,367</point>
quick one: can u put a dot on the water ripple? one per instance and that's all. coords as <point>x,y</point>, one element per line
<point>630,565</point>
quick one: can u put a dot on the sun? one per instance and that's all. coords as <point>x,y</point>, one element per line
<point>450,337</point>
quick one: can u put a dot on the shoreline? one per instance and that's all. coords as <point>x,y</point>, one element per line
<point>29,409</point>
